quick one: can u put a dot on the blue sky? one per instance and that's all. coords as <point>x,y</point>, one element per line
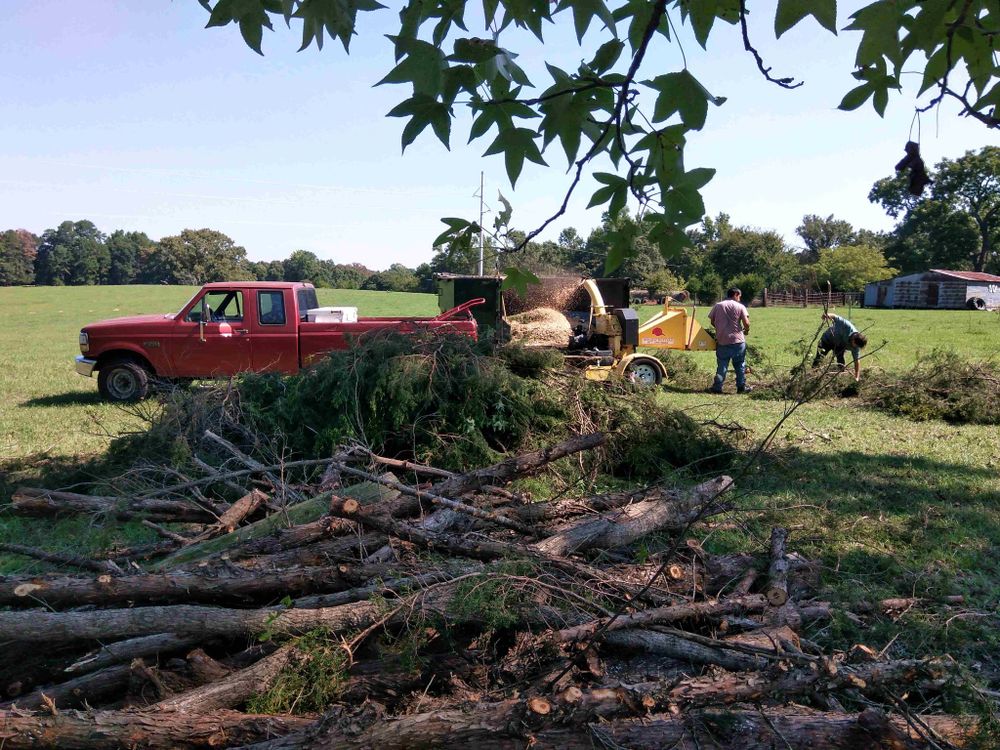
<point>131,114</point>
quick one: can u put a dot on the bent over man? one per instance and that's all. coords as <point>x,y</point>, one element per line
<point>838,338</point>
<point>732,323</point>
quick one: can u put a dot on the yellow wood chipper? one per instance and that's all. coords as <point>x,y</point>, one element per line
<point>603,335</point>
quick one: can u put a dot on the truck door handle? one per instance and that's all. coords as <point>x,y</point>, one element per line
<point>242,330</point>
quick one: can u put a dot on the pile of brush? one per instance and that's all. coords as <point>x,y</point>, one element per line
<point>345,608</point>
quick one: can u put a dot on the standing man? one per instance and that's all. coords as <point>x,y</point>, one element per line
<point>838,338</point>
<point>732,323</point>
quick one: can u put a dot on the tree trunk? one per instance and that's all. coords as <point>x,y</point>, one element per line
<point>682,649</point>
<point>622,527</point>
<point>150,730</point>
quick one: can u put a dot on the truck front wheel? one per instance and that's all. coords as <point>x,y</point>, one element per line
<point>123,381</point>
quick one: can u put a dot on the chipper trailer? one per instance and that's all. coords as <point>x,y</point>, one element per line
<point>605,333</point>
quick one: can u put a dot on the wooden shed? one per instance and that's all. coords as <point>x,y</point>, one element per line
<point>937,289</point>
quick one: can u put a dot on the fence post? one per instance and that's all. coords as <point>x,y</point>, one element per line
<point>763,300</point>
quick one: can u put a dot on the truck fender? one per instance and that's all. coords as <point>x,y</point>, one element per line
<point>124,353</point>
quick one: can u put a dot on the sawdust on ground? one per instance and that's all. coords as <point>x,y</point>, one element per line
<point>542,326</point>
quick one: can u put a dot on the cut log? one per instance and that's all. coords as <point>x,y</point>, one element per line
<point>662,615</point>
<point>241,509</point>
<point>93,688</point>
<point>40,502</point>
<point>622,527</point>
<point>777,574</point>
<point>511,725</point>
<point>152,730</point>
<point>677,647</point>
<point>233,689</point>
<point>541,513</point>
<point>134,648</point>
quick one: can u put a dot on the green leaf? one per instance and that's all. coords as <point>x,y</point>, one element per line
<point>681,93</point>
<point>585,11</point>
<point>518,280</point>
<point>423,66</point>
<point>880,21</point>
<point>516,144</point>
<point>455,227</point>
<point>790,12</point>
<point>607,55</point>
<point>423,110</point>
<point>856,97</point>
<point>564,116</point>
<point>474,50</point>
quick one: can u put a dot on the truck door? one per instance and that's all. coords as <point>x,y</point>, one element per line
<point>275,346</point>
<point>225,349</point>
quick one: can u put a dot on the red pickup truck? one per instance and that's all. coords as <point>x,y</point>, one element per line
<point>229,328</point>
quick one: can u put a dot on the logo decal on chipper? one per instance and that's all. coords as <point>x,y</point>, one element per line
<point>657,338</point>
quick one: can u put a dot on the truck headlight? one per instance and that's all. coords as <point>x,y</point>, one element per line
<point>84,343</point>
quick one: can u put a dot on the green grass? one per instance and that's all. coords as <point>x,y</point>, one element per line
<point>889,506</point>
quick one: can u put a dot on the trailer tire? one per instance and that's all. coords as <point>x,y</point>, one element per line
<point>123,381</point>
<point>643,372</point>
<point>976,303</point>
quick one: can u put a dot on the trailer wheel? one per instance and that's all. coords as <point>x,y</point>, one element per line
<point>976,303</point>
<point>123,381</point>
<point>642,372</point>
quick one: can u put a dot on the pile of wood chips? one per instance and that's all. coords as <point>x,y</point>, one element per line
<point>542,326</point>
<point>529,624</point>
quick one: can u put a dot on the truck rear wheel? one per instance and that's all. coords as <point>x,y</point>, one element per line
<point>642,372</point>
<point>123,381</point>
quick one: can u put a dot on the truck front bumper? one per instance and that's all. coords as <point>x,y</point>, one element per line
<point>85,366</point>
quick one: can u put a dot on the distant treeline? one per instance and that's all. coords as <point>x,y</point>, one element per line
<point>720,254</point>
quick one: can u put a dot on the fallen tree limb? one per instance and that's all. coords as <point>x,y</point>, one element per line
<point>179,586</point>
<point>133,648</point>
<point>58,557</point>
<point>515,724</point>
<point>622,527</point>
<point>233,689</point>
<point>152,730</point>
<point>92,688</point>
<point>32,501</point>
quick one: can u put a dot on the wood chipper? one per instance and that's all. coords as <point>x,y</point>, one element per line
<point>593,326</point>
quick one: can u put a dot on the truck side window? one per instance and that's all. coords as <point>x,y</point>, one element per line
<point>271,308</point>
<point>307,301</point>
<point>223,307</point>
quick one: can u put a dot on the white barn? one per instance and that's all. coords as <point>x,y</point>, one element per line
<point>937,289</point>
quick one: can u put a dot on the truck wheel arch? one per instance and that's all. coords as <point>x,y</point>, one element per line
<point>124,376</point>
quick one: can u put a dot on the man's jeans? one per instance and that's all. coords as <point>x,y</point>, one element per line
<point>723,354</point>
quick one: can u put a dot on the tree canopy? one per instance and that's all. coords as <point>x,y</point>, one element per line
<point>958,225</point>
<point>621,116</point>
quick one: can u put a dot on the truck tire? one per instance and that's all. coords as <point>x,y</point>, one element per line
<point>123,381</point>
<point>644,373</point>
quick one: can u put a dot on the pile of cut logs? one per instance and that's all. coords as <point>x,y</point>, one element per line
<point>461,612</point>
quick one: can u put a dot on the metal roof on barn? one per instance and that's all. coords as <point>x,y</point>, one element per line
<point>969,275</point>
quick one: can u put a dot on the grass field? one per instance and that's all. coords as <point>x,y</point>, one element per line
<point>890,506</point>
